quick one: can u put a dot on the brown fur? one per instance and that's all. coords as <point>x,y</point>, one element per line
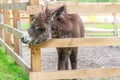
<point>68,26</point>
<point>63,25</point>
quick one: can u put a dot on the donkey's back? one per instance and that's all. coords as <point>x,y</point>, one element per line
<point>68,26</point>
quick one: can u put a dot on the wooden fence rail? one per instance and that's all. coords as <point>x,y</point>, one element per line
<point>11,30</point>
<point>14,6</point>
<point>71,42</point>
<point>78,42</point>
<point>91,30</point>
<point>72,74</point>
<point>82,8</point>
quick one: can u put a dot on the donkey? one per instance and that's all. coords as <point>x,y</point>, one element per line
<point>56,23</point>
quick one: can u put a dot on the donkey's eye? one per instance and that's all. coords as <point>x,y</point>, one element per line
<point>37,27</point>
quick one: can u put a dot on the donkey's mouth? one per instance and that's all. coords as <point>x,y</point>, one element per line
<point>25,41</point>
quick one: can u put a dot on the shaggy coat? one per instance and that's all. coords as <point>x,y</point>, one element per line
<point>57,23</point>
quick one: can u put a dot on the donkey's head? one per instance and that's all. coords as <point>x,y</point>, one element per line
<point>40,29</point>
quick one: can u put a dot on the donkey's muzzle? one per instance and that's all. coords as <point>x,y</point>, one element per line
<point>26,38</point>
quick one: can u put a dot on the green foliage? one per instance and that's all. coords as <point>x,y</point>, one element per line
<point>8,69</point>
<point>102,79</point>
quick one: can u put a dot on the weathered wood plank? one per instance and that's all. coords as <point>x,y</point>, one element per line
<point>95,8</point>
<point>95,22</point>
<point>0,21</point>
<point>16,57</point>
<point>33,2</point>
<point>31,9</point>
<point>6,15</point>
<point>11,30</point>
<point>14,6</point>
<point>82,8</point>
<point>0,32</point>
<point>89,73</point>
<point>35,59</point>
<point>16,18</point>
<point>92,30</point>
<point>78,42</point>
<point>17,33</point>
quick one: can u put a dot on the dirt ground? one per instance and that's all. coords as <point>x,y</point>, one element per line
<point>88,58</point>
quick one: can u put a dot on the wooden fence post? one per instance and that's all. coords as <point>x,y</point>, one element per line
<point>76,2</point>
<point>7,21</point>
<point>115,24</point>
<point>35,59</point>
<point>0,21</point>
<point>35,52</point>
<point>16,18</point>
<point>3,31</point>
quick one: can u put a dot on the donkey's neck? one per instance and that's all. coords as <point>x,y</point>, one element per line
<point>49,32</point>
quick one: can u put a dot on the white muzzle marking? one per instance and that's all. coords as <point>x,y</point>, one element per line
<point>26,38</point>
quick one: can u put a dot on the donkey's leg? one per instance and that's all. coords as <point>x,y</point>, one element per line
<point>73,58</point>
<point>62,59</point>
<point>67,64</point>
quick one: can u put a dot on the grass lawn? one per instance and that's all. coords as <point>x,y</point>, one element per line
<point>25,26</point>
<point>102,26</point>
<point>8,69</point>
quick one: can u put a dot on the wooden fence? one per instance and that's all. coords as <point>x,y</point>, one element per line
<point>6,31</point>
<point>76,42</point>
<point>35,68</point>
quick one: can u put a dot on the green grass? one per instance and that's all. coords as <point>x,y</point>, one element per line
<point>8,69</point>
<point>102,26</point>
<point>25,26</point>
<point>65,0</point>
<point>103,79</point>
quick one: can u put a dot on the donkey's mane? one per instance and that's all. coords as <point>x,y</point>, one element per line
<point>65,24</point>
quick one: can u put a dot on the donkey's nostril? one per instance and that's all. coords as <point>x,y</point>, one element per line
<point>22,39</point>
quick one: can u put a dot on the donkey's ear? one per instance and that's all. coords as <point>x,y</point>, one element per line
<point>57,12</point>
<point>46,10</point>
